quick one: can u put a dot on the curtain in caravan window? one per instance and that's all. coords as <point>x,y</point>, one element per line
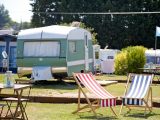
<point>44,49</point>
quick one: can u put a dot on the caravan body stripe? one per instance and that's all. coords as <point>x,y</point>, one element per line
<point>78,62</point>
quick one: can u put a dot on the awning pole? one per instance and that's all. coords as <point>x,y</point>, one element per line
<point>155,50</point>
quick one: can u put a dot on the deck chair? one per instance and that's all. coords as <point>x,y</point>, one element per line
<point>139,93</point>
<point>103,97</point>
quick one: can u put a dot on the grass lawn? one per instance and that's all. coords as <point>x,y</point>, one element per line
<point>111,77</point>
<point>39,111</point>
<point>45,111</point>
<point>54,87</point>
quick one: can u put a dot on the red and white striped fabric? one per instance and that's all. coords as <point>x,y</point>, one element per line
<point>87,79</point>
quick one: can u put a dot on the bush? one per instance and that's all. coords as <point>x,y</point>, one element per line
<point>121,63</point>
<point>130,59</point>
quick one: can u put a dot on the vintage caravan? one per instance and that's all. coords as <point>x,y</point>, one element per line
<point>63,48</point>
<point>107,57</point>
<point>152,56</point>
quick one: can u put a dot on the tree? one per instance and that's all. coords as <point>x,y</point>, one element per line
<point>25,25</point>
<point>42,12</point>
<point>4,17</point>
<point>7,23</point>
<point>117,31</point>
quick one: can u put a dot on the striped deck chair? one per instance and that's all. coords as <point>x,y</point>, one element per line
<point>103,98</point>
<point>139,94</point>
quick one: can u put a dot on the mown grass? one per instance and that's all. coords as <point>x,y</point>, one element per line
<point>111,77</point>
<point>52,88</point>
<point>39,111</point>
<point>44,111</point>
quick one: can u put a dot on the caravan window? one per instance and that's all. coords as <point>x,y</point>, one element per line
<point>43,49</point>
<point>110,57</point>
<point>86,40</point>
<point>72,46</point>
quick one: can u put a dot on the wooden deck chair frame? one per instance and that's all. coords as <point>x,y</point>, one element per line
<point>91,105</point>
<point>147,100</point>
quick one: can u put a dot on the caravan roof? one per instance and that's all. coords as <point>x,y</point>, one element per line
<point>54,32</point>
<point>152,53</point>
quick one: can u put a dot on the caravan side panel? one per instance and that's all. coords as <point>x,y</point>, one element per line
<point>76,56</point>
<point>41,57</point>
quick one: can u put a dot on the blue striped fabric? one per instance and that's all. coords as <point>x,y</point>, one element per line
<point>138,89</point>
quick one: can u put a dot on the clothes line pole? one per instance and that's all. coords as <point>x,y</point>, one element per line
<point>155,50</point>
<point>155,43</point>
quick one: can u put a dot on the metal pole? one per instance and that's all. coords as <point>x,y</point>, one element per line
<point>155,42</point>
<point>155,50</point>
<point>8,51</point>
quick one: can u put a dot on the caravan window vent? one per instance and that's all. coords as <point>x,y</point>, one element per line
<point>110,57</point>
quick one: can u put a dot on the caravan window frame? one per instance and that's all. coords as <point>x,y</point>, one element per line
<point>110,57</point>
<point>72,46</point>
<point>38,54</point>
<point>86,39</point>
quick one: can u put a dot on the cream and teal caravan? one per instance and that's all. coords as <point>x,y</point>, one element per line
<point>63,48</point>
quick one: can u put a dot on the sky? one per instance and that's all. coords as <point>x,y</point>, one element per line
<point>18,9</point>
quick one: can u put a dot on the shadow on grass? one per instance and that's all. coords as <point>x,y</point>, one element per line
<point>99,117</point>
<point>55,85</point>
<point>140,115</point>
<point>110,75</point>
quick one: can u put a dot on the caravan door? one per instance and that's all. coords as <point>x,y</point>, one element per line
<point>86,52</point>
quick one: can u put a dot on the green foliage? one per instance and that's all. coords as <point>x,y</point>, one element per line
<point>118,31</point>
<point>135,58</point>
<point>130,59</point>
<point>121,63</point>
<point>7,23</point>
<point>25,25</point>
<point>94,34</point>
<point>4,17</point>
